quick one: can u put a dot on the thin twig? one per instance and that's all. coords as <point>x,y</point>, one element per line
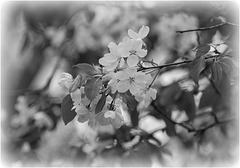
<point>169,119</point>
<point>208,28</point>
<point>172,64</point>
<point>154,78</point>
<point>188,127</point>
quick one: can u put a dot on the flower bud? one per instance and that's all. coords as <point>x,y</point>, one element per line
<point>76,83</point>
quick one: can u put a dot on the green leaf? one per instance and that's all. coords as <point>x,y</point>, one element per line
<point>216,73</point>
<point>196,67</point>
<point>202,50</point>
<point>100,104</point>
<point>131,103</point>
<point>66,106</point>
<point>169,94</point>
<point>211,99</point>
<point>226,64</point>
<point>101,119</point>
<point>83,118</point>
<point>86,69</point>
<point>92,88</point>
<point>186,102</point>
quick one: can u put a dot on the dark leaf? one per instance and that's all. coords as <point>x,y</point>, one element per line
<point>131,103</point>
<point>123,134</point>
<point>212,99</point>
<point>226,64</point>
<point>196,67</point>
<point>86,69</point>
<point>66,106</point>
<point>129,99</point>
<point>209,97</point>
<point>186,102</point>
<point>202,50</point>
<point>92,88</point>
<point>100,103</point>
<point>168,95</point>
<point>216,70</point>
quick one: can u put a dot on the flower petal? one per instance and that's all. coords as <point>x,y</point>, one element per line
<point>118,121</point>
<point>153,93</point>
<point>66,80</point>
<point>122,86</point>
<point>110,114</point>
<point>109,57</point>
<point>123,50</point>
<point>132,60</point>
<point>141,53</point>
<point>112,66</point>
<point>133,34</point>
<point>121,75</point>
<point>103,61</point>
<point>133,89</point>
<point>125,40</point>
<point>113,47</point>
<point>76,96</point>
<point>136,45</point>
<point>131,71</point>
<point>143,32</point>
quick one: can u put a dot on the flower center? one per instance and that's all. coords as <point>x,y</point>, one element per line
<point>132,52</point>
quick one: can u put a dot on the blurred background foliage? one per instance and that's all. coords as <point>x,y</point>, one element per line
<point>42,39</point>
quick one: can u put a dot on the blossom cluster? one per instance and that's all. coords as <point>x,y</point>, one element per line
<point>120,73</point>
<point>121,67</point>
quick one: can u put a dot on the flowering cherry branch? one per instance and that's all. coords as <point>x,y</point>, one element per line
<point>208,28</point>
<point>97,93</point>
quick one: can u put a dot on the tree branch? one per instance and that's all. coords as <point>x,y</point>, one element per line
<point>188,127</point>
<point>172,64</point>
<point>208,28</point>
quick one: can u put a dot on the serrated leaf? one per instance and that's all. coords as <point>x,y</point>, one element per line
<point>186,102</point>
<point>92,88</point>
<point>86,69</point>
<point>226,64</point>
<point>66,106</point>
<point>196,67</point>
<point>100,103</point>
<point>202,50</point>
<point>216,73</point>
